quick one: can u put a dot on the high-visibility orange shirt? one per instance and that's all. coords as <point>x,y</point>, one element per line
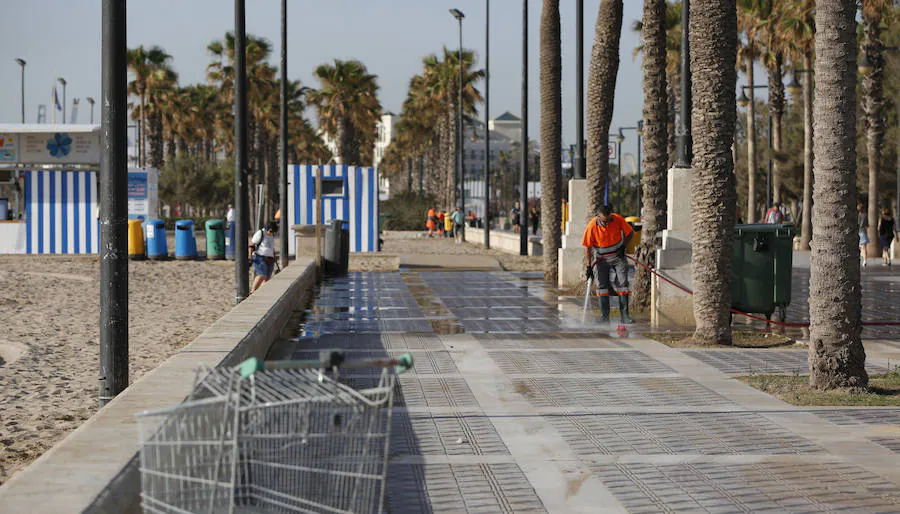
<point>601,237</point>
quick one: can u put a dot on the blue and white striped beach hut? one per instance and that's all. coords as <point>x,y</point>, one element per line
<point>357,203</point>
<point>61,212</point>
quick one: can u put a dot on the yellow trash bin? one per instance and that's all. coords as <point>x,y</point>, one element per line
<point>135,240</point>
<point>636,224</point>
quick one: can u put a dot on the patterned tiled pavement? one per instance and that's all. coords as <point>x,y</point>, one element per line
<point>514,407</point>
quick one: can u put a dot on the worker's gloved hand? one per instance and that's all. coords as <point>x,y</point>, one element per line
<point>621,252</point>
<point>589,273</point>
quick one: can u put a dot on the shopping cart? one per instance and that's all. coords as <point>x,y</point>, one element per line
<point>282,436</point>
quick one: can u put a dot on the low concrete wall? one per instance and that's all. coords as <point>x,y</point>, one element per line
<point>504,241</point>
<point>95,468</point>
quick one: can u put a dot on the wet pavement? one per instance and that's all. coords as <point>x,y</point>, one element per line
<point>514,406</point>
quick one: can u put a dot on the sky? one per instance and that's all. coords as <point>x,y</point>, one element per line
<point>61,38</point>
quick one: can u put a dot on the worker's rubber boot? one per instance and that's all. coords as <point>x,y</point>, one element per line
<point>604,309</point>
<point>623,309</point>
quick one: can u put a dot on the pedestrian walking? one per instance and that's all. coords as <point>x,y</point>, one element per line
<point>604,241</point>
<point>863,229</point>
<point>887,231</point>
<point>431,222</point>
<point>775,216</point>
<point>535,216</point>
<point>514,217</point>
<point>459,220</point>
<point>229,214</point>
<point>262,254</point>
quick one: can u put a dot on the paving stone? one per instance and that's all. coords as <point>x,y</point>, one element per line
<point>605,392</point>
<point>744,362</point>
<point>870,416</point>
<point>516,363</point>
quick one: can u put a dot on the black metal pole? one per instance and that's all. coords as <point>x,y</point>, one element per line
<point>462,141</point>
<point>282,158</point>
<point>769,189</point>
<point>241,207</point>
<point>113,205</point>
<point>523,172</point>
<point>64,102</point>
<point>639,185</point>
<point>579,164</point>
<point>684,141</point>
<point>22,64</point>
<point>619,197</point>
<point>487,118</point>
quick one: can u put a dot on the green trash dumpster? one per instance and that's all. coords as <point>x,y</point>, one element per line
<point>215,240</point>
<point>761,270</point>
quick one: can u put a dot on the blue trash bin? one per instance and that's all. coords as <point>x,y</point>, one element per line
<point>156,240</point>
<point>229,241</point>
<point>185,243</point>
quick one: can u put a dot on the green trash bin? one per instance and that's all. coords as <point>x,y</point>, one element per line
<point>215,240</point>
<point>761,270</point>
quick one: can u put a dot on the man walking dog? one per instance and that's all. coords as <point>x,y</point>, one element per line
<point>604,241</point>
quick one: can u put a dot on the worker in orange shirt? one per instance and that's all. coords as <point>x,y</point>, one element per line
<point>604,241</point>
<point>431,222</point>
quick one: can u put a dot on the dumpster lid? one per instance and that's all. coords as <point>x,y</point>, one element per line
<point>765,228</point>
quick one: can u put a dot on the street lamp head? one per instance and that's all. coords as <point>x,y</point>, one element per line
<point>794,87</point>
<point>640,127</point>
<point>90,100</point>
<point>457,14</point>
<point>865,65</point>
<point>62,81</point>
<point>21,61</point>
<point>620,137</point>
<point>742,100</point>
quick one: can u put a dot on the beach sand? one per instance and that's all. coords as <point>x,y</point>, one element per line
<point>49,338</point>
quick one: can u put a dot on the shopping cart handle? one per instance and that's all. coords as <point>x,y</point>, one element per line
<point>404,363</point>
<point>251,366</point>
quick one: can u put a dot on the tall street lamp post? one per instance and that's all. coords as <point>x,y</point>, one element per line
<point>282,158</point>
<point>113,377</point>
<point>461,186</point>
<point>22,63</point>
<point>241,210</point>
<point>64,83</point>
<point>523,172</point>
<point>578,164</point>
<point>684,141</point>
<point>91,101</point>
<point>795,88</point>
<point>487,128</point>
<point>744,101</point>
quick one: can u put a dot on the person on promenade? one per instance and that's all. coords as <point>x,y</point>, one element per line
<point>774,216</point>
<point>459,220</point>
<point>535,216</point>
<point>431,222</point>
<point>887,230</point>
<point>262,254</point>
<point>229,214</point>
<point>514,217</point>
<point>604,241</point>
<point>863,229</point>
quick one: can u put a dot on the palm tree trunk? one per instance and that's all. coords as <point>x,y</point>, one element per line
<point>776,105</point>
<point>143,142</point>
<point>601,91</point>
<point>836,354</point>
<point>873,104</point>
<point>806,226</point>
<point>156,141</point>
<point>551,135</point>
<point>751,146</point>
<point>655,137</point>
<point>713,28</point>
<point>170,148</point>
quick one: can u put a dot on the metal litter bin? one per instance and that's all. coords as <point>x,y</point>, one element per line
<point>337,247</point>
<point>761,269</point>
<point>157,248</point>
<point>636,224</point>
<point>215,240</point>
<point>135,240</point>
<point>229,241</point>
<point>185,243</point>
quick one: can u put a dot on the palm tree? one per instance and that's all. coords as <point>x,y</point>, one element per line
<point>774,45</point>
<point>601,89</point>
<point>143,63</point>
<point>799,27</point>
<point>836,355</point>
<point>551,136</point>
<point>714,40</point>
<point>874,13</point>
<point>347,107</point>
<point>655,156</point>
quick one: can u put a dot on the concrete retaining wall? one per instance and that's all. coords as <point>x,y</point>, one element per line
<point>95,468</point>
<point>504,241</point>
